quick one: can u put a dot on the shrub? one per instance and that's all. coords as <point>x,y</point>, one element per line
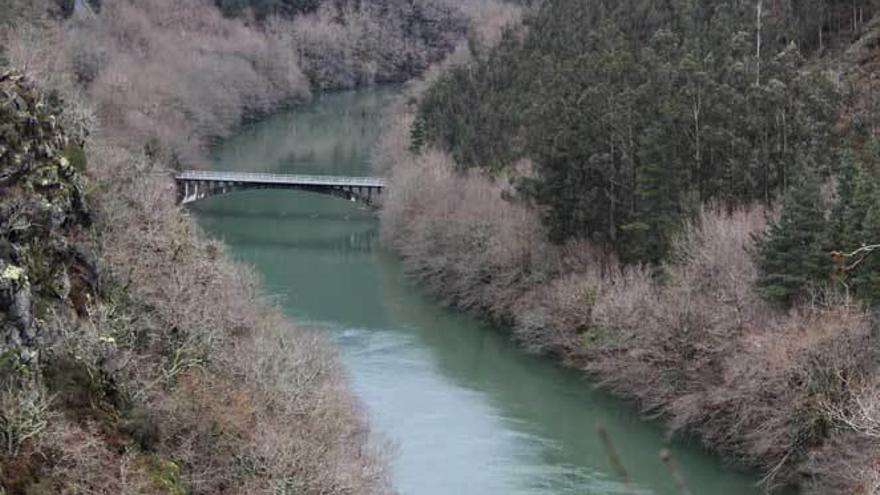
<point>266,403</point>
<point>22,418</point>
<point>151,80</point>
<point>350,46</point>
<point>146,67</point>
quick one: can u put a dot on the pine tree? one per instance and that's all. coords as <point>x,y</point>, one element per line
<point>865,277</point>
<point>793,256</point>
<point>857,222</point>
<point>417,136</point>
<point>634,111</point>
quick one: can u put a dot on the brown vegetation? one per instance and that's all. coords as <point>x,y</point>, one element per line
<point>176,75</point>
<point>790,392</point>
<point>348,46</point>
<point>165,371</point>
<point>254,403</point>
<point>167,374</point>
<point>162,369</point>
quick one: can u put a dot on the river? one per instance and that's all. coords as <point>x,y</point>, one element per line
<point>468,412</point>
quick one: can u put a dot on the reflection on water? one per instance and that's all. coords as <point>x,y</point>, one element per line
<point>334,136</point>
<point>260,230</point>
<point>469,412</point>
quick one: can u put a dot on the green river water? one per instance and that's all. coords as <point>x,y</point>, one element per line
<point>467,411</point>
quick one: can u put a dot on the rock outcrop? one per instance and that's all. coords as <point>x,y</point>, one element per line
<point>43,215</point>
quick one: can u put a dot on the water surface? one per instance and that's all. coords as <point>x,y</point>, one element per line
<point>469,412</point>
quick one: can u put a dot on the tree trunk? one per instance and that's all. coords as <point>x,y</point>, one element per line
<point>758,44</point>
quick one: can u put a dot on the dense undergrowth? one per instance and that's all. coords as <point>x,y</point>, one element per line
<point>788,385</point>
<point>135,357</point>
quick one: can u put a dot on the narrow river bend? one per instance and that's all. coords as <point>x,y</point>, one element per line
<point>467,410</point>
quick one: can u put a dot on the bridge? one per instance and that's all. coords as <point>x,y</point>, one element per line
<point>193,185</point>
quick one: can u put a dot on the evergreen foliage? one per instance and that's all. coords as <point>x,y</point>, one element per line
<point>263,8</point>
<point>808,248</point>
<point>856,221</point>
<point>636,112</point>
<point>794,255</point>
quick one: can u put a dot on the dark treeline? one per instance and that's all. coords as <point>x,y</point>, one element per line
<point>263,8</point>
<point>634,113</point>
<point>293,8</point>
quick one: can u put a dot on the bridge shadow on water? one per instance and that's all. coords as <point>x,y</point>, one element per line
<point>289,215</point>
<point>355,242</point>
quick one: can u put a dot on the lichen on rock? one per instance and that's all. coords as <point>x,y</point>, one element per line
<point>42,211</point>
<point>12,274</point>
<point>16,319</point>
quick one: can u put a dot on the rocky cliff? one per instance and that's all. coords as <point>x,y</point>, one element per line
<point>45,269</point>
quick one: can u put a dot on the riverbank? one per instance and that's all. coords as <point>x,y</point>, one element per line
<point>467,410</point>
<point>173,374</point>
<point>789,392</point>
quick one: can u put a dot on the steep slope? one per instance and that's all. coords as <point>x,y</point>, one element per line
<point>598,181</point>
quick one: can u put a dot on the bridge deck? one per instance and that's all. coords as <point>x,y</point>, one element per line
<point>281,179</point>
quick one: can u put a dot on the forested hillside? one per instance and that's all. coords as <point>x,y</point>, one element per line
<point>678,197</point>
<point>636,113</point>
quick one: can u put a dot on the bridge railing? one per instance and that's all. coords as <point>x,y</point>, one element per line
<point>265,178</point>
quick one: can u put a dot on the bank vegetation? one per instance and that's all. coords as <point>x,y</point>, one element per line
<point>674,199</point>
